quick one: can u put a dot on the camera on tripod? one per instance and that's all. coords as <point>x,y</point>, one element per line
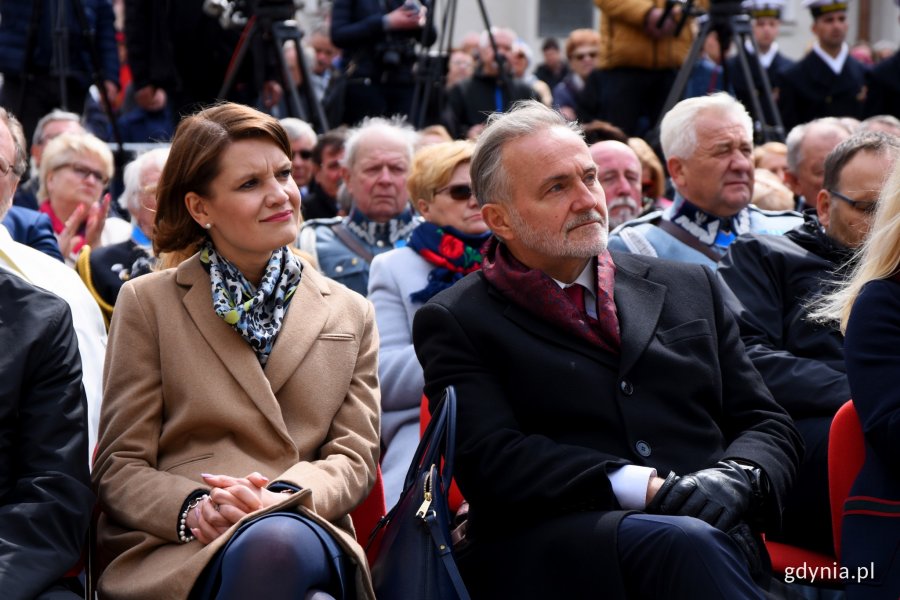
<point>235,13</point>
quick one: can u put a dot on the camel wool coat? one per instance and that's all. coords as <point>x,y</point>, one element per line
<point>184,394</point>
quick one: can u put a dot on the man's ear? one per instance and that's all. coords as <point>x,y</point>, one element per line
<point>792,182</point>
<point>823,208</point>
<point>675,166</point>
<point>496,216</point>
<point>196,206</point>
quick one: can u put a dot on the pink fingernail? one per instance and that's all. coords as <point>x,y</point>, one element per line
<point>206,474</point>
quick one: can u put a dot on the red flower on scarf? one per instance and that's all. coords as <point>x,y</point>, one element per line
<point>451,247</point>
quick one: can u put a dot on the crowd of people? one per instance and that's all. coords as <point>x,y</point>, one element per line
<point>650,320</point>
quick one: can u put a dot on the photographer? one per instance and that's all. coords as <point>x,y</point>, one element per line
<point>378,39</point>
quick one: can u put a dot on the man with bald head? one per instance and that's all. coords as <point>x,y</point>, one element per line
<point>619,172</point>
<point>808,145</point>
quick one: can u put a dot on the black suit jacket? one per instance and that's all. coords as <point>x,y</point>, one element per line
<point>883,95</point>
<point>810,89</point>
<point>45,495</point>
<point>544,416</point>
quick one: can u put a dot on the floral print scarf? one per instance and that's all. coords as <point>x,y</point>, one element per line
<point>453,253</point>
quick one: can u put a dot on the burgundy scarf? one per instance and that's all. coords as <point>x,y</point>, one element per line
<point>537,293</point>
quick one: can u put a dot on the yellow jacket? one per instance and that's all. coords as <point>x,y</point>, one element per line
<point>623,42</point>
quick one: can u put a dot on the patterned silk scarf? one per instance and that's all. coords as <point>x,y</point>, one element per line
<point>255,313</point>
<point>537,293</point>
<point>453,253</point>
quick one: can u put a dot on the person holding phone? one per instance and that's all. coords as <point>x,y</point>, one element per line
<point>378,39</point>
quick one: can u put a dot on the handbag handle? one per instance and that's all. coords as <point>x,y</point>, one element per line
<point>438,441</point>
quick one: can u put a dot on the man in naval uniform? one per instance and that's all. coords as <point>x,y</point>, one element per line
<point>827,82</point>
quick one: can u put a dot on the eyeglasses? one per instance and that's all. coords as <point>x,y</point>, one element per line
<point>457,192</point>
<point>583,55</point>
<point>84,172</point>
<point>863,205</point>
<point>6,166</point>
<point>304,154</point>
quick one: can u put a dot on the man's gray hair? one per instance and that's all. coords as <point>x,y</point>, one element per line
<point>396,127</point>
<point>297,128</point>
<point>490,181</point>
<point>678,132</point>
<point>20,162</point>
<point>797,136</point>
<point>56,114</point>
<point>131,177</point>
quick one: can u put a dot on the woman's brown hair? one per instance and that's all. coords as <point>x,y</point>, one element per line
<point>193,163</point>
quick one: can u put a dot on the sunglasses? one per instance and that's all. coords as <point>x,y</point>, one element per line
<point>304,154</point>
<point>584,55</point>
<point>460,192</point>
<point>863,205</point>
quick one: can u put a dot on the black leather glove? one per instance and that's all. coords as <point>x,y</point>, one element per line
<point>720,495</point>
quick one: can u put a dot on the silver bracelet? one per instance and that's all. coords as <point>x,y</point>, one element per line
<point>184,535</point>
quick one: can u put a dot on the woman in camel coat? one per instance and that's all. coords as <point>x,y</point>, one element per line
<point>240,417</point>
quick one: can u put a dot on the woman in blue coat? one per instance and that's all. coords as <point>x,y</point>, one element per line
<point>869,309</point>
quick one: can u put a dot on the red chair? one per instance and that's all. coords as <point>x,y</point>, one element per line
<point>366,516</point>
<point>846,454</point>
<point>455,497</point>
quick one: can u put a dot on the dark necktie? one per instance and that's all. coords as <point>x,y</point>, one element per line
<point>575,292</point>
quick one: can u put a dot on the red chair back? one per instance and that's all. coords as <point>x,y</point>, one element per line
<point>366,516</point>
<point>846,454</point>
<point>455,497</point>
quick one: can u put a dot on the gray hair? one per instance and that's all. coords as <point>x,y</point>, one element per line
<point>296,129</point>
<point>484,40</point>
<point>56,114</point>
<point>20,161</point>
<point>678,132</point>
<point>396,127</point>
<point>797,136</point>
<point>131,177</point>
<point>490,181</point>
<point>875,142</point>
<point>885,121</point>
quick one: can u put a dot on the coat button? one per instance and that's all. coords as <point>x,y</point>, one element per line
<point>339,269</point>
<point>643,448</point>
<point>626,387</point>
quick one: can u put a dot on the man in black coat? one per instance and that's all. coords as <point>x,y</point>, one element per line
<point>44,482</point>
<point>774,280</point>
<point>492,88</point>
<point>613,438</point>
<point>827,82</point>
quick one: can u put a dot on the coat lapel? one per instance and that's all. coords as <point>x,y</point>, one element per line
<point>639,303</point>
<point>234,353</point>
<point>305,318</point>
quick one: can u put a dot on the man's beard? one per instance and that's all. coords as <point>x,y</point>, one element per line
<point>558,244</point>
<point>622,209</point>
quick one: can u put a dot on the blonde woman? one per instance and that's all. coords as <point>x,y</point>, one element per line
<point>75,170</point>
<point>868,308</point>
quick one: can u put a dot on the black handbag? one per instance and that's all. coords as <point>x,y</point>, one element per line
<point>415,561</point>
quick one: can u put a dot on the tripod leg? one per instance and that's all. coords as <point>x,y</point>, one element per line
<point>238,59</point>
<point>684,73</point>
<point>771,131</point>
<point>279,38</point>
<point>282,32</point>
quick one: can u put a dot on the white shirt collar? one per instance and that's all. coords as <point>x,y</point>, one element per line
<point>766,58</point>
<point>836,64</point>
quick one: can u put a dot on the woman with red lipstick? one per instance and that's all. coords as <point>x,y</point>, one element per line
<point>441,251</point>
<point>229,460</point>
